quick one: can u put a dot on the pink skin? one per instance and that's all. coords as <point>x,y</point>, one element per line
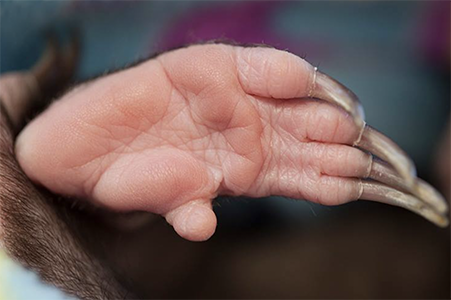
<point>171,134</point>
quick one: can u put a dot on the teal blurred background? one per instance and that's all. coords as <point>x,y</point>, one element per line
<point>393,55</point>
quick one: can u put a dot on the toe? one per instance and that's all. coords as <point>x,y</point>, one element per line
<point>194,221</point>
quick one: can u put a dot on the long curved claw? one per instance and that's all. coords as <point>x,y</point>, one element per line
<point>328,89</point>
<point>46,64</point>
<point>57,64</point>
<point>395,183</point>
<point>20,92</point>
<point>383,173</point>
<point>378,144</point>
<point>376,191</point>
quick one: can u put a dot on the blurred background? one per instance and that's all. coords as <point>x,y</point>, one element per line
<point>394,55</point>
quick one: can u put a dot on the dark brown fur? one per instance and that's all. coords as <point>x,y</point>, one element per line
<point>36,231</point>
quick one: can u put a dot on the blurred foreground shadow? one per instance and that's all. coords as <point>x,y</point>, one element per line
<point>363,250</point>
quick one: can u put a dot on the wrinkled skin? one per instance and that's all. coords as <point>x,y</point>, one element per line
<point>171,134</point>
<point>80,253</point>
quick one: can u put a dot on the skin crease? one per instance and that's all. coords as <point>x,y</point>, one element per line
<point>169,135</point>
